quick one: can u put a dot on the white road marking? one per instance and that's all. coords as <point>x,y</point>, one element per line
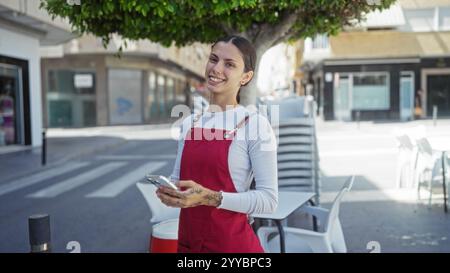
<point>119,185</point>
<point>134,157</point>
<point>76,181</point>
<point>40,177</point>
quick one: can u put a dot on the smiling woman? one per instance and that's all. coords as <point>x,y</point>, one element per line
<point>231,65</point>
<point>214,174</point>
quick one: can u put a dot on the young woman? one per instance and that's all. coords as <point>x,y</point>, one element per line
<point>219,153</point>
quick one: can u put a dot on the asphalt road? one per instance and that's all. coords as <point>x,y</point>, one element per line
<point>91,200</point>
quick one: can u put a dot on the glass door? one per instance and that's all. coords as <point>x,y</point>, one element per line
<point>438,94</point>
<point>406,96</point>
<point>342,103</point>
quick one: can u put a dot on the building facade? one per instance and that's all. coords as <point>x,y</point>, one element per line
<point>23,29</point>
<point>395,65</point>
<point>87,85</point>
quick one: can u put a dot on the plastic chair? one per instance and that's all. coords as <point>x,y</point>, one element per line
<point>298,157</point>
<point>329,238</point>
<point>164,221</point>
<point>160,212</point>
<point>433,171</point>
<point>409,165</point>
<point>405,166</point>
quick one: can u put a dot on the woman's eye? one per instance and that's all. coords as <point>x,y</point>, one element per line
<point>212,60</point>
<point>230,65</point>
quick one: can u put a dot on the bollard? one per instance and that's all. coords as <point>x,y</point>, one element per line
<point>358,118</point>
<point>39,233</point>
<point>435,110</point>
<point>44,149</point>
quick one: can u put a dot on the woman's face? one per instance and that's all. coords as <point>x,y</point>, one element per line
<point>225,69</point>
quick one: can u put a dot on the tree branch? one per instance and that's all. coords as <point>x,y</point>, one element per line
<point>228,30</point>
<point>271,35</point>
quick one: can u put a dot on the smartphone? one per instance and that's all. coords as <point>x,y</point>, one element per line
<point>160,180</point>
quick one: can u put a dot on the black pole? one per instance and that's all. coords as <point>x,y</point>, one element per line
<point>358,117</point>
<point>39,233</point>
<point>44,149</point>
<point>444,170</point>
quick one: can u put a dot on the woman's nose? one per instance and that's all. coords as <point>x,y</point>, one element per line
<point>217,69</point>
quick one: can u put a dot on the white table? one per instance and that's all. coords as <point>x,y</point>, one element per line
<point>441,144</point>
<point>288,202</point>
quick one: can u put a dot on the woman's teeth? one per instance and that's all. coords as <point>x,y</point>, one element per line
<point>214,79</point>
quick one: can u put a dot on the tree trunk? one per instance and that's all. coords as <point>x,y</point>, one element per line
<point>267,37</point>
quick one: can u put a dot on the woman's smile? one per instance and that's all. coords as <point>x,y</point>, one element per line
<point>215,80</point>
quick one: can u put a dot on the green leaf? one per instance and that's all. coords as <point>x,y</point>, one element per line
<point>160,12</point>
<point>186,21</point>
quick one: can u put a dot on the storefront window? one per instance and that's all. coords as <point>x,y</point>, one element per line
<point>60,113</point>
<point>161,96</point>
<point>180,96</point>
<point>170,94</point>
<point>71,98</point>
<point>370,91</point>
<point>151,98</point>
<point>444,18</point>
<point>10,105</point>
<point>71,82</point>
<point>125,96</point>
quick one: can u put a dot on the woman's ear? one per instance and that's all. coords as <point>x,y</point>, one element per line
<point>246,78</point>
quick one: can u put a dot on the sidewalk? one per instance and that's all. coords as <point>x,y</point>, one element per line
<point>66,144</point>
<point>375,210</point>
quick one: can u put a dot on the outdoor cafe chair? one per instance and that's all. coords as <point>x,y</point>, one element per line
<point>159,211</point>
<point>164,221</point>
<point>433,172</point>
<point>406,161</point>
<point>329,238</point>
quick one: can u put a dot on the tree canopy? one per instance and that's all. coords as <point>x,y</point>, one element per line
<point>183,22</point>
<point>188,21</point>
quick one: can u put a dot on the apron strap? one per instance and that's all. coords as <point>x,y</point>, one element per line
<point>195,118</point>
<point>242,123</point>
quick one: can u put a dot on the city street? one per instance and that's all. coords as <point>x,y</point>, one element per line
<point>92,94</point>
<point>93,200</point>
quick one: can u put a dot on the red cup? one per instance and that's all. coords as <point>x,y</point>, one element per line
<point>165,237</point>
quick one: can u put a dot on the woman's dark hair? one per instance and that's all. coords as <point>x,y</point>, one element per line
<point>247,50</point>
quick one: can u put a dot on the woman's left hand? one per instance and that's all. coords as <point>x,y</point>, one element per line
<point>193,195</point>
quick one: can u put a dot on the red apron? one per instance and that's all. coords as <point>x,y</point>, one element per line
<point>206,228</point>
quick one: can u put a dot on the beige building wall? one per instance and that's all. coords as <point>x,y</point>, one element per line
<point>191,57</point>
<point>380,44</point>
<point>417,4</point>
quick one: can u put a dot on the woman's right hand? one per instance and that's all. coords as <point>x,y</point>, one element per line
<point>194,195</point>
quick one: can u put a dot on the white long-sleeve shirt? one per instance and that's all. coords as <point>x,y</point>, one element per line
<point>253,152</point>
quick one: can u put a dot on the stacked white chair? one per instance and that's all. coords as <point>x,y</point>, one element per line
<point>293,121</point>
<point>298,160</point>
<point>328,239</point>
